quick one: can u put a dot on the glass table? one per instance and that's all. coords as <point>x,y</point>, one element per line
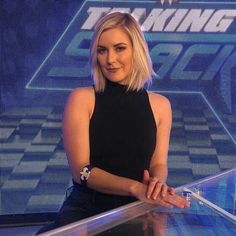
<point>212,212</point>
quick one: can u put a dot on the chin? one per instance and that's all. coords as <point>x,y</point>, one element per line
<point>118,79</point>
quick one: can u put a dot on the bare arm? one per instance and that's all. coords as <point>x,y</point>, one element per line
<point>163,116</point>
<point>76,118</point>
<point>158,171</point>
<point>78,111</point>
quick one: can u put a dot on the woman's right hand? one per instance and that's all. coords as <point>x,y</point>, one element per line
<point>155,186</point>
<point>169,200</point>
<point>139,191</point>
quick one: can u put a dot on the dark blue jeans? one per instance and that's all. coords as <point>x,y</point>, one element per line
<point>84,202</point>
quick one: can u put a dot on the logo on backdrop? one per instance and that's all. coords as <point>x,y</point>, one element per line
<point>189,42</point>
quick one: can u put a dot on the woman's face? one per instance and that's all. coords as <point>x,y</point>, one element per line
<point>115,54</point>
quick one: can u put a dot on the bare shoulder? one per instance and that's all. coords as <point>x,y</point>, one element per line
<point>81,99</point>
<point>80,93</point>
<point>158,100</point>
<point>161,107</point>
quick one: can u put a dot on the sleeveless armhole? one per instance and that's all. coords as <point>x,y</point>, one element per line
<point>94,105</point>
<point>150,107</point>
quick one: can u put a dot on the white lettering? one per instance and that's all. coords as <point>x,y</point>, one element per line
<point>170,20</point>
<point>139,14</point>
<point>195,20</point>
<point>95,13</point>
<point>175,20</point>
<point>124,10</point>
<point>220,21</point>
<point>157,19</point>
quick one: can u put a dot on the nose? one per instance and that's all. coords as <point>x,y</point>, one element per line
<point>111,57</point>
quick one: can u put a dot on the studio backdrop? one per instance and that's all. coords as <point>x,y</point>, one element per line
<point>44,48</point>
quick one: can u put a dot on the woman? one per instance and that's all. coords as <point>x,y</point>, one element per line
<point>116,134</point>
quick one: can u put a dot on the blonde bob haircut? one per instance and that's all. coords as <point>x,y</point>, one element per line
<point>142,71</point>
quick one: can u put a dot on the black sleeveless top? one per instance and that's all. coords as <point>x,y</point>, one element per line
<point>122,131</point>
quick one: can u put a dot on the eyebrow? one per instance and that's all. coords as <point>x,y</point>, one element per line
<point>116,45</point>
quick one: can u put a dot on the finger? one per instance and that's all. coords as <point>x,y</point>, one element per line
<point>164,204</point>
<point>177,201</point>
<point>151,186</point>
<point>146,177</point>
<point>164,190</point>
<point>182,201</point>
<point>157,190</point>
<point>171,190</point>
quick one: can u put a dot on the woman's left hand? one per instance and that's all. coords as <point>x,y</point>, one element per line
<point>156,186</point>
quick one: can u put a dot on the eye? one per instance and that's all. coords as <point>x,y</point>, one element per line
<point>101,50</point>
<point>120,48</point>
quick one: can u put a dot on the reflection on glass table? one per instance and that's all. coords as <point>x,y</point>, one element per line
<point>219,190</point>
<point>198,220</point>
<point>202,218</point>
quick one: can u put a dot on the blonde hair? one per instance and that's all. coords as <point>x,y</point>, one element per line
<point>142,71</point>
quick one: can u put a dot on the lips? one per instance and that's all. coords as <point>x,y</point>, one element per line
<point>112,69</point>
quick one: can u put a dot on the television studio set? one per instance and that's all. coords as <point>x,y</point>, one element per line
<point>80,80</point>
